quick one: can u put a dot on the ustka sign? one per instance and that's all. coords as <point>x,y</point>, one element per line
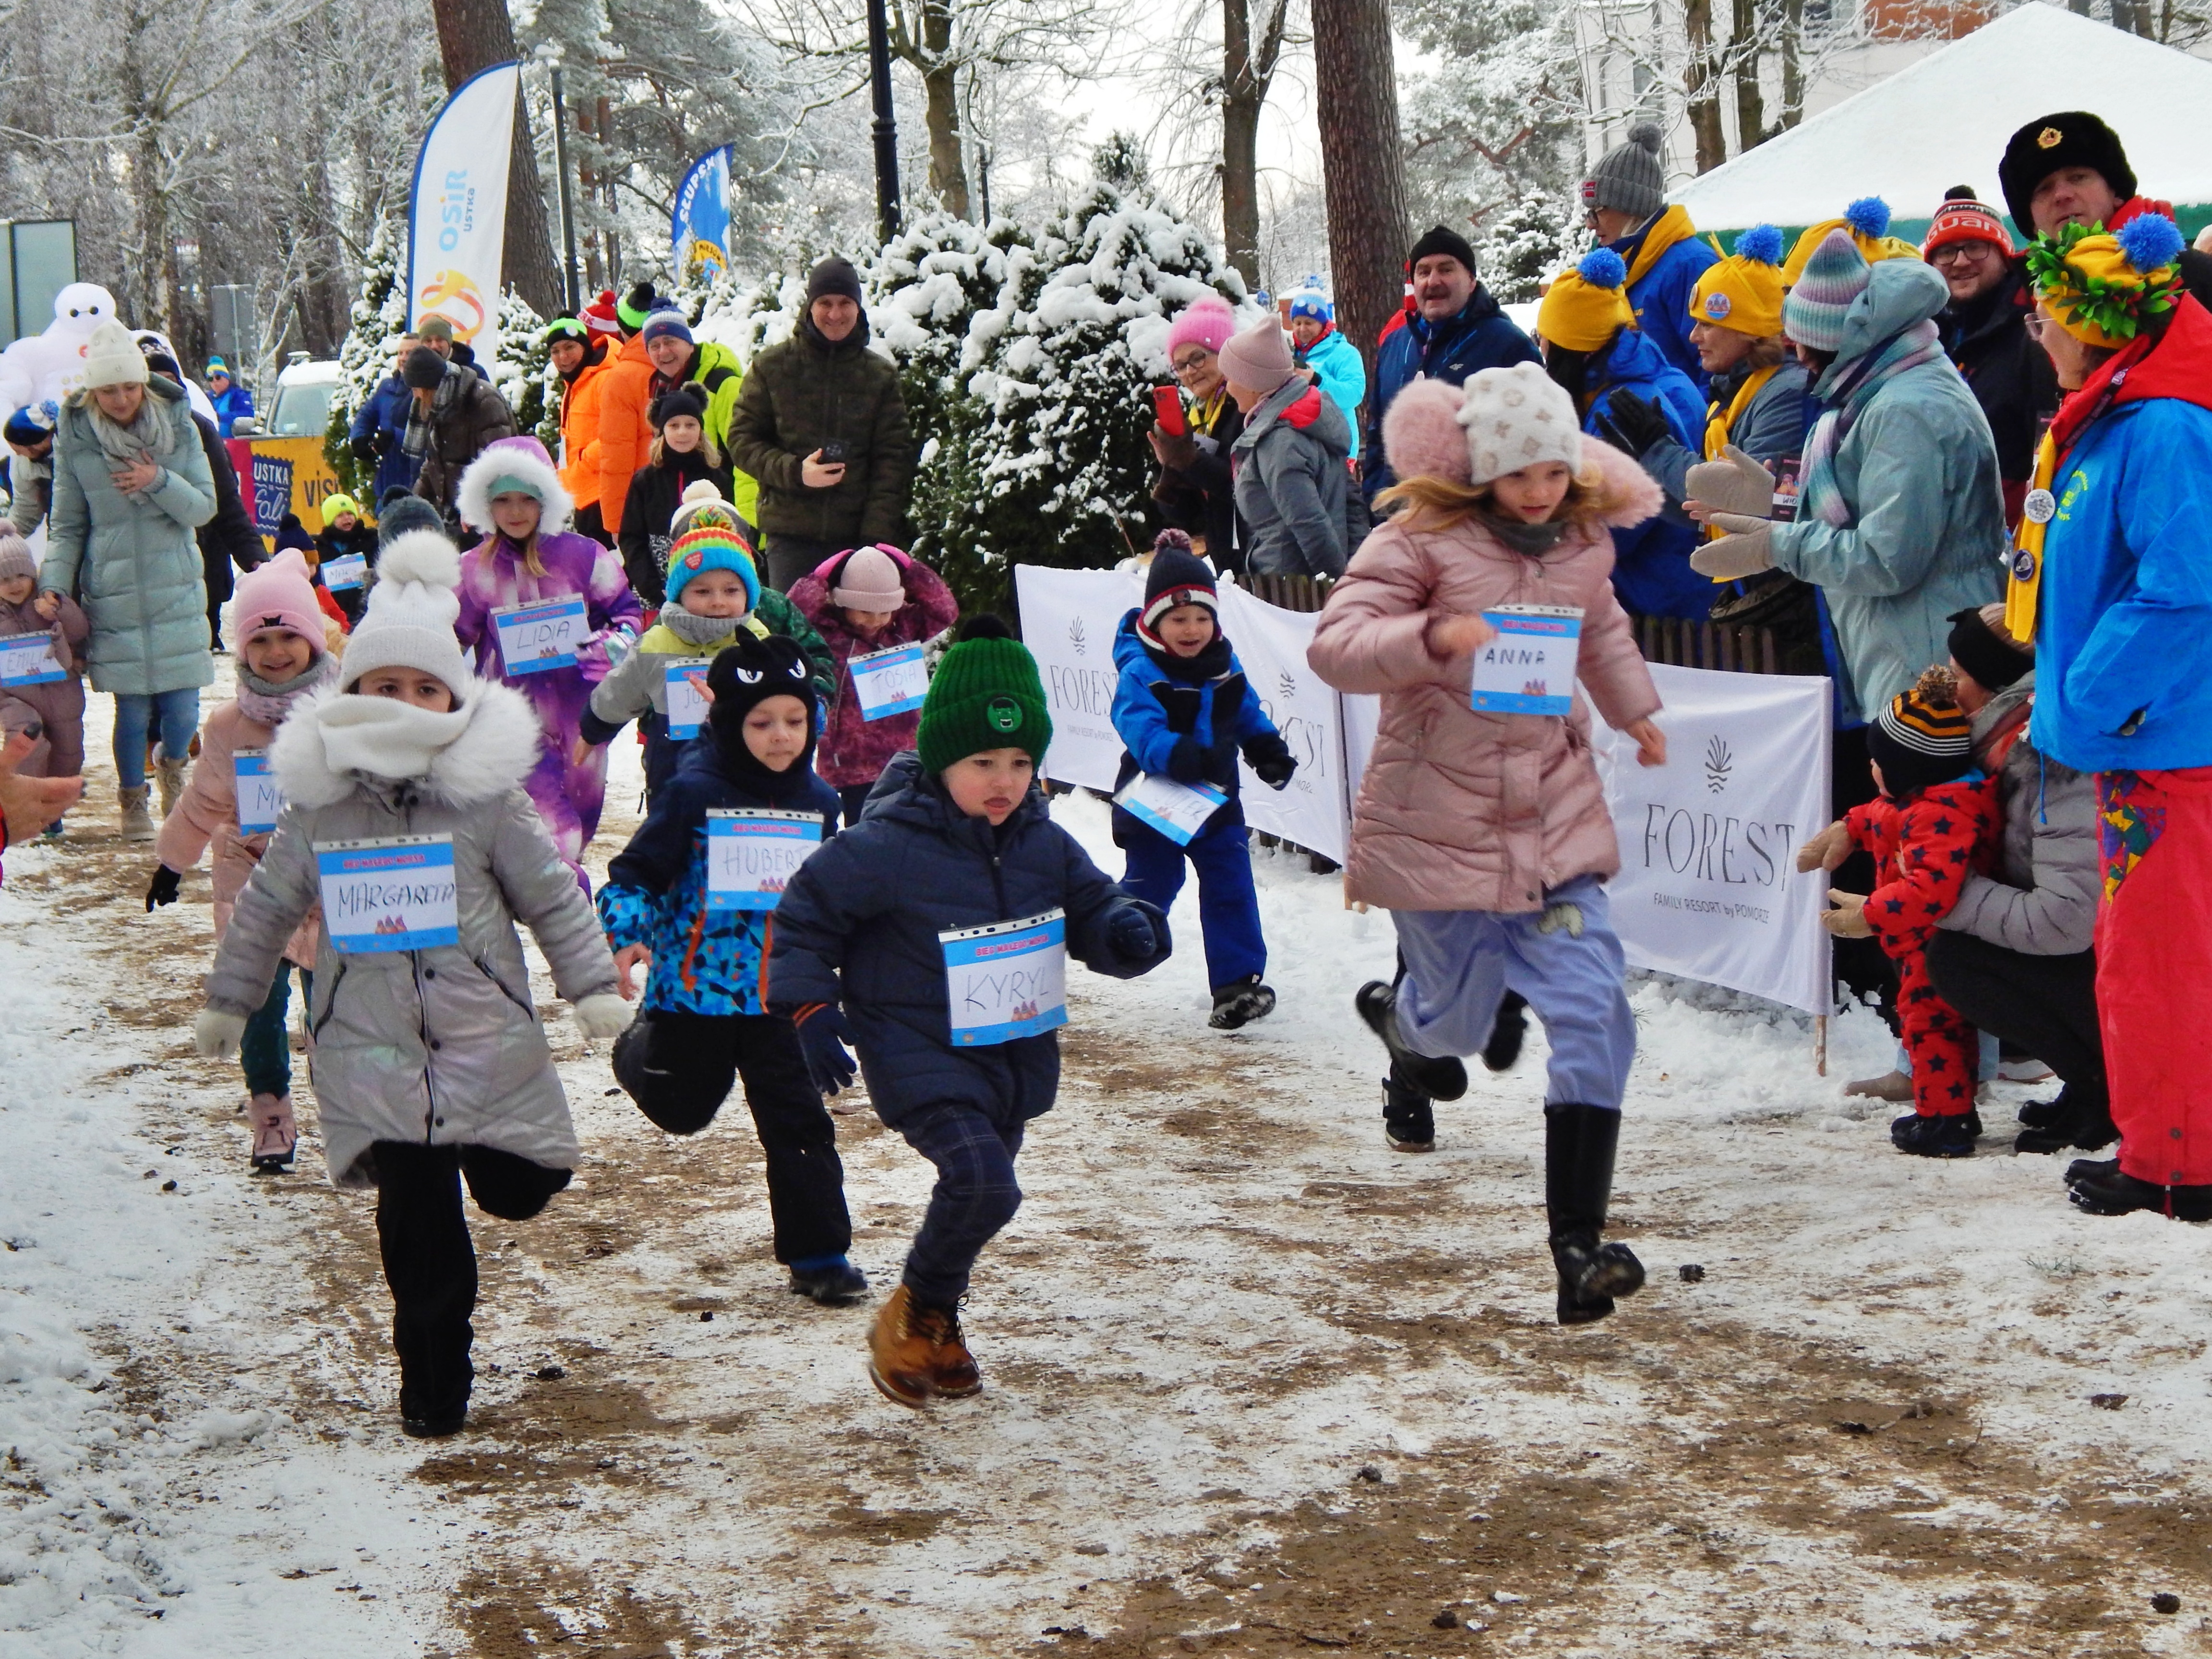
<point>1709,887</point>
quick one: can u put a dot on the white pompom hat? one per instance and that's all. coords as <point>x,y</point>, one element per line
<point>411,612</point>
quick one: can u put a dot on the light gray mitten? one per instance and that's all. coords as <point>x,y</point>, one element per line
<point>602,1017</point>
<point>1735,483</point>
<point>1745,550</point>
<point>215,1034</point>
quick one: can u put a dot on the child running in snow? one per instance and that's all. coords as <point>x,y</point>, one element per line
<point>1486,834</point>
<point>430,1064</point>
<point>286,653</point>
<point>869,600</point>
<point>713,589</point>
<point>702,1024</point>
<point>1936,821</point>
<point>1185,710</point>
<point>528,558</point>
<point>55,706</point>
<point>958,838</point>
<point>345,535</point>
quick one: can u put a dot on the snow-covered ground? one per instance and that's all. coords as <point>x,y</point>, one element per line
<point>1256,1383</point>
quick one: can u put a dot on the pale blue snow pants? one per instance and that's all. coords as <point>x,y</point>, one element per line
<point>1460,964</point>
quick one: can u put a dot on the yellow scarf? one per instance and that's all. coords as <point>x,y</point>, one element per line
<point>2026,581</point>
<point>1203,415</point>
<point>1672,226</point>
<point>1719,424</point>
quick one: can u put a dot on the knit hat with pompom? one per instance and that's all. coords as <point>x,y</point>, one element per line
<point>1743,292</point>
<point>1630,178</point>
<point>1589,305</point>
<point>1924,738</point>
<point>1835,275</point>
<point>411,612</point>
<point>986,694</point>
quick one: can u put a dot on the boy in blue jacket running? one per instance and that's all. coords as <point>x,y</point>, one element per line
<point>704,1024</point>
<point>1185,709</point>
<point>942,922</point>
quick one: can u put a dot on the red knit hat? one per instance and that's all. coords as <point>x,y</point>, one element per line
<point>1963,219</point>
<point>599,318</point>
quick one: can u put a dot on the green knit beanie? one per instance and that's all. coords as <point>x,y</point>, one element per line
<point>984,694</point>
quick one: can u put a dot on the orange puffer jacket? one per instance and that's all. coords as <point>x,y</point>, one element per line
<point>580,431</point>
<point>1461,810</point>
<point>625,433</point>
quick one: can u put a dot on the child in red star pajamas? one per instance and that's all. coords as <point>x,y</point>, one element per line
<point>1937,820</point>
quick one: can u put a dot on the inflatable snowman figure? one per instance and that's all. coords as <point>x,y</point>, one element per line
<point>45,366</point>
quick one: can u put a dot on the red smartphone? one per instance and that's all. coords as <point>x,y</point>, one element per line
<point>1167,409</point>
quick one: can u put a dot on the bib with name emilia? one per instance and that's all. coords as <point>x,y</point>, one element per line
<point>1007,981</point>
<point>1528,668</point>
<point>29,659</point>
<point>396,893</point>
<point>751,855</point>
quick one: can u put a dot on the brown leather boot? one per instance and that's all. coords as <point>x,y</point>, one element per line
<point>952,1373</point>
<point>900,1349</point>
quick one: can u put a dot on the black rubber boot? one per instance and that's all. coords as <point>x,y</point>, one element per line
<point>1407,1117</point>
<point>1240,1002</point>
<point>1439,1080</point>
<point>2047,1113</point>
<point>1507,1033</point>
<point>2121,1193</point>
<point>2077,1118</point>
<point>1579,1142</point>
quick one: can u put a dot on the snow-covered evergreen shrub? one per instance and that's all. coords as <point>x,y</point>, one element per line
<point>1537,236</point>
<point>377,317</point>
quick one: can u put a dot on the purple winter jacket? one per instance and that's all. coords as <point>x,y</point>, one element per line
<point>853,751</point>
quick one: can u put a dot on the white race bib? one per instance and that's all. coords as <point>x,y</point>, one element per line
<point>1007,981</point>
<point>752,856</point>
<point>1177,810</point>
<point>533,638</point>
<point>260,800</point>
<point>351,571</point>
<point>395,894</point>
<point>893,682</point>
<point>29,659</point>
<point>1529,668</point>
<point>687,702</point>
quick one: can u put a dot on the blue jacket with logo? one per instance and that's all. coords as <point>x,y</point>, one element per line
<point>859,924</point>
<point>2123,635</point>
<point>1481,337</point>
<point>704,961</point>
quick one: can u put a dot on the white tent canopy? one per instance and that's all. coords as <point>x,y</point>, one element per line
<point>1945,121</point>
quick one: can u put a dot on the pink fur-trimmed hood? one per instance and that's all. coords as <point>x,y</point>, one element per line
<point>1423,434</point>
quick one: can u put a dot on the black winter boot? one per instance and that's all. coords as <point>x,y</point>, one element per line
<point>1439,1080</point>
<point>1406,1118</point>
<point>2079,1117</point>
<point>1579,1142</point>
<point>2121,1193</point>
<point>1240,1002</point>
<point>1507,1033</point>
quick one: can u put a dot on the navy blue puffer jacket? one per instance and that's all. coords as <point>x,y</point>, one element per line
<point>859,925</point>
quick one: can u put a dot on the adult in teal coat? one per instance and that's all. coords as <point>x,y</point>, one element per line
<point>131,485</point>
<point>1901,520</point>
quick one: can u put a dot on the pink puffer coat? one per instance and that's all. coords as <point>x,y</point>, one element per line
<point>1460,811</point>
<point>853,750</point>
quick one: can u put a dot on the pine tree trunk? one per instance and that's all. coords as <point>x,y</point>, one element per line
<point>1703,86</point>
<point>940,86</point>
<point>1750,101</point>
<point>471,35</point>
<point>1242,92</point>
<point>1363,164</point>
<point>1793,74</point>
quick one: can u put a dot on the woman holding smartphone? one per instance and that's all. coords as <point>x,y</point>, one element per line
<point>1191,433</point>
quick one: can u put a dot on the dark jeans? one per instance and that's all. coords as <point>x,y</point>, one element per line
<point>853,797</point>
<point>790,557</point>
<point>265,1053</point>
<point>431,1262</point>
<point>974,1197</point>
<point>1860,965</point>
<point>690,1062</point>
<point>2046,1004</point>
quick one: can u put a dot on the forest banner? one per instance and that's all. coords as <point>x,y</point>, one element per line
<point>457,213</point>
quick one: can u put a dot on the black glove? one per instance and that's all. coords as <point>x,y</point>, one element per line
<point>364,449</point>
<point>1132,935</point>
<point>1187,762</point>
<point>162,890</point>
<point>823,1034</point>
<point>1637,422</point>
<point>1274,769</point>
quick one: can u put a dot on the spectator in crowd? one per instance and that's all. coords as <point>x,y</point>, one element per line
<point>1289,461</point>
<point>454,414</point>
<point>131,485</point>
<point>1625,205</point>
<point>1194,491</point>
<point>678,362</point>
<point>231,400</point>
<point>1985,329</point>
<point>228,539</point>
<point>820,424</point>
<point>625,404</point>
<point>1325,356</point>
<point>377,432</point>
<point>2110,580</point>
<point>1456,330</point>
<point>30,434</point>
<point>580,359</point>
<point>437,333</point>
<point>2071,169</point>
<point>1593,351</point>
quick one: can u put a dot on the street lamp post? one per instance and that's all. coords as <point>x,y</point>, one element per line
<point>887,132</point>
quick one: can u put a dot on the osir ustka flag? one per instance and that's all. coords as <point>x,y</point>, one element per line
<point>699,227</point>
<point>457,212</point>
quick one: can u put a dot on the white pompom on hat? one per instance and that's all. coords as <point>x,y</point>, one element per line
<point>1516,417</point>
<point>411,612</point>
